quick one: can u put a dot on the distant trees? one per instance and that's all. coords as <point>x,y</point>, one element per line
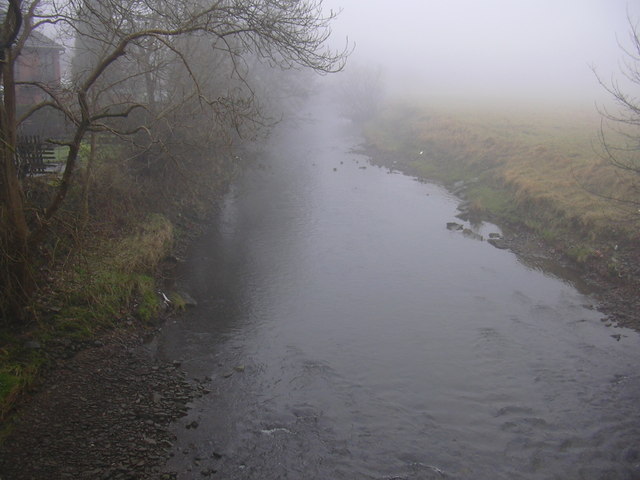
<point>147,70</point>
<point>619,135</point>
<point>361,90</point>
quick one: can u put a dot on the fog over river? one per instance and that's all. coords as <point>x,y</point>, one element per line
<point>539,51</point>
<point>349,335</point>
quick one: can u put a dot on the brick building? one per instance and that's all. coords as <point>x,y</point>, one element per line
<point>39,61</point>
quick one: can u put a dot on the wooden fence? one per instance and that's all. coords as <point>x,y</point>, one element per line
<point>33,156</point>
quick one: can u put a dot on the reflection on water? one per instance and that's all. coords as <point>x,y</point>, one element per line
<point>350,335</point>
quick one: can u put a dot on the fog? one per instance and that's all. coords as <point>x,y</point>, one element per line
<point>470,49</point>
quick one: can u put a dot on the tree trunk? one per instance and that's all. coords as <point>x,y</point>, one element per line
<point>17,281</point>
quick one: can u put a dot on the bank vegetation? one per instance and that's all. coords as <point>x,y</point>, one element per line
<point>143,125</point>
<point>540,168</point>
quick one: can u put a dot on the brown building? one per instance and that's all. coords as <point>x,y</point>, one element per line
<point>39,61</point>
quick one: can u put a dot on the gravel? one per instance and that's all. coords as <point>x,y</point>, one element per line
<point>104,413</point>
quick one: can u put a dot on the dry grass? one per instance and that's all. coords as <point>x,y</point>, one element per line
<point>544,160</point>
<point>144,249</point>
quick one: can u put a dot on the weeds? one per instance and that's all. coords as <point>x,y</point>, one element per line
<point>177,301</point>
<point>579,253</point>
<point>19,367</point>
<point>98,270</point>
<point>99,290</point>
<point>114,279</point>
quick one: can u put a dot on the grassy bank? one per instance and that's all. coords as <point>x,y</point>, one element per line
<point>535,167</point>
<point>100,269</point>
<point>105,287</point>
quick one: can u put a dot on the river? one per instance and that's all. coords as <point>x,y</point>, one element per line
<point>346,333</point>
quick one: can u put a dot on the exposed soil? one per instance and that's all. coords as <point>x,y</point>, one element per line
<point>104,413</point>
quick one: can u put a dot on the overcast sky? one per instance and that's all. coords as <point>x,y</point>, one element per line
<point>479,47</point>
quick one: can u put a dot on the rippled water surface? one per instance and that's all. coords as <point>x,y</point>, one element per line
<point>349,335</point>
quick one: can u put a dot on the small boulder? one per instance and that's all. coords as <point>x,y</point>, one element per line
<point>498,243</point>
<point>187,299</point>
<point>471,234</point>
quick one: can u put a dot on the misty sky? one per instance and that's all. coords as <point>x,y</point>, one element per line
<point>477,47</point>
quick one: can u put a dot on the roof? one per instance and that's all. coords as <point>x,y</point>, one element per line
<point>38,40</point>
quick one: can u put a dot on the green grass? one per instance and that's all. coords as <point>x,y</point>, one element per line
<point>177,301</point>
<point>493,201</point>
<point>580,253</point>
<point>98,271</point>
<point>19,367</point>
<point>148,302</point>
<point>101,290</point>
<point>114,280</point>
<point>8,383</point>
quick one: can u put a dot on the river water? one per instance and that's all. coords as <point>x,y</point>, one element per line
<point>347,334</point>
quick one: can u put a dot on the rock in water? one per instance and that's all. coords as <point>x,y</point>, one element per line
<point>189,301</point>
<point>471,234</point>
<point>498,243</point>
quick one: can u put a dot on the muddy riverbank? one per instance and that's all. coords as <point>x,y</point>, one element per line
<point>617,295</point>
<point>618,299</point>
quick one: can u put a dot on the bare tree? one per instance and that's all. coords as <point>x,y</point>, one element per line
<point>361,91</point>
<point>619,135</point>
<point>137,73</point>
